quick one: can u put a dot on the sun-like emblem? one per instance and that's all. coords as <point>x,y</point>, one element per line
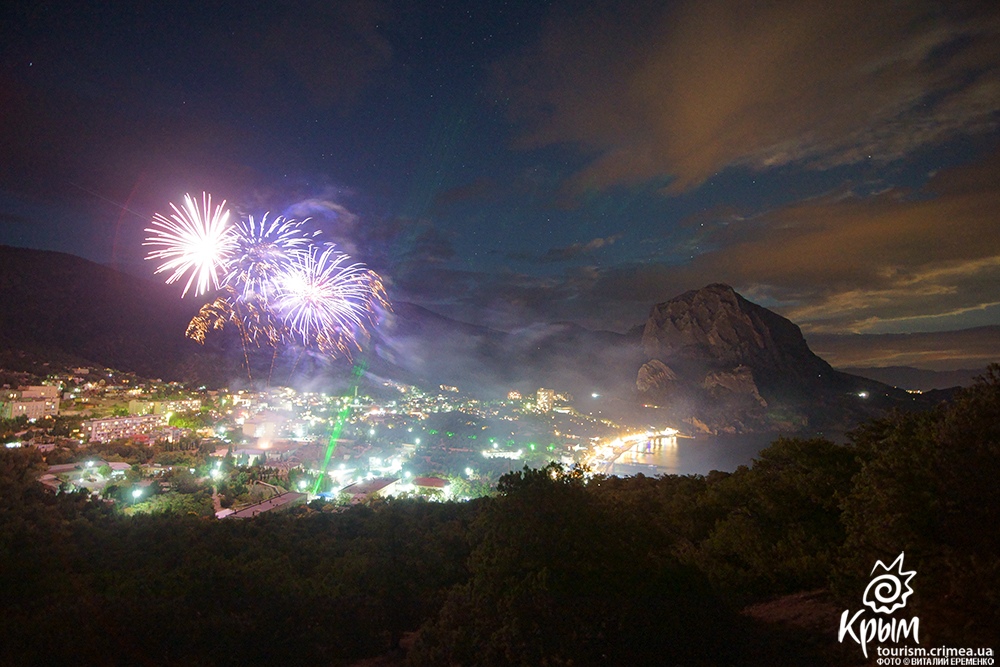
<point>887,591</point>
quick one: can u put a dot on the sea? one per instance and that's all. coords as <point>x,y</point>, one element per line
<point>699,455</point>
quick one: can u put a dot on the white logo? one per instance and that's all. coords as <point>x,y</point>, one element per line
<point>885,593</point>
<point>888,592</point>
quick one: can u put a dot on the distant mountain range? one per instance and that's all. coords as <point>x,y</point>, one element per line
<point>708,357</point>
<point>918,379</point>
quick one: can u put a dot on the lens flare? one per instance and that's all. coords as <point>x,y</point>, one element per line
<point>193,241</point>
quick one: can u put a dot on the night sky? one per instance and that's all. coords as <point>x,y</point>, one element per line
<point>509,163</point>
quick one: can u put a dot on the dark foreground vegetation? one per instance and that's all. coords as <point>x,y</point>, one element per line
<point>557,569</point>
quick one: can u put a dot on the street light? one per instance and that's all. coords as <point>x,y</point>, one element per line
<point>135,495</point>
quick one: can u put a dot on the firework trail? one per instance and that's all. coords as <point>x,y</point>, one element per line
<point>253,318</point>
<point>193,240</point>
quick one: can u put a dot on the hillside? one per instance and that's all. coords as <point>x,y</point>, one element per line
<point>61,307</point>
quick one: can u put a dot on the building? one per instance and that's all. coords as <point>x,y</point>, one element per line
<point>113,428</point>
<point>41,392</point>
<point>252,456</point>
<point>265,427</point>
<point>163,407</point>
<point>31,402</point>
<point>430,482</point>
<point>32,409</point>
<point>432,486</point>
<point>380,486</point>
<point>544,399</point>
<point>283,501</point>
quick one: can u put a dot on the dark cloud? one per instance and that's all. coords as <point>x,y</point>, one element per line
<point>329,51</point>
<point>14,219</point>
<point>696,87</point>
<point>611,299</point>
<point>405,251</point>
<point>570,252</point>
<point>480,190</point>
<point>577,249</point>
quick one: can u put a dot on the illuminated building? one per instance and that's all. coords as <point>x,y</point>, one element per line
<point>163,407</point>
<point>113,428</point>
<point>544,399</point>
<point>34,409</point>
<point>31,402</point>
<point>382,486</point>
<point>514,396</point>
<point>40,392</point>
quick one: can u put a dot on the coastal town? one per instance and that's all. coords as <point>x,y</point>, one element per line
<point>152,446</point>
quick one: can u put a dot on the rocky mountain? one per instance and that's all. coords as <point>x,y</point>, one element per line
<point>724,364</point>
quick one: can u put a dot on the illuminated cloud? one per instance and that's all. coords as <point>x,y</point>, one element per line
<point>943,350</point>
<point>895,262</point>
<point>696,87</point>
<point>881,263</point>
<point>576,250</point>
<point>898,261</point>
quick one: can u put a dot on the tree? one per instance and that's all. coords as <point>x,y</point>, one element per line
<point>928,487</point>
<point>558,577</point>
<point>779,525</point>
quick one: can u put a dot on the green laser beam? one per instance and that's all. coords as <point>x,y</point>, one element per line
<point>338,425</point>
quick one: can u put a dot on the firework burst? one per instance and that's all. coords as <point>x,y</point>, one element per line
<point>276,285</point>
<point>263,250</point>
<point>193,241</point>
<point>326,300</point>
